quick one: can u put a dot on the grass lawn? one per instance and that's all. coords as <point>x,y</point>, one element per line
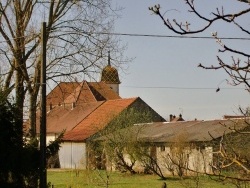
<point>78,179</point>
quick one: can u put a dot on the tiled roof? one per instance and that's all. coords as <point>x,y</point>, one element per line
<point>110,75</point>
<point>82,109</point>
<point>98,119</point>
<point>61,92</point>
<point>66,118</point>
<point>82,93</point>
<point>77,92</point>
<point>102,91</point>
<point>189,131</point>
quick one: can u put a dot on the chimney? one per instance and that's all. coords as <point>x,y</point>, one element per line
<point>170,117</point>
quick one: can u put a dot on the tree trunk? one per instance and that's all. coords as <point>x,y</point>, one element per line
<point>19,104</point>
<point>32,115</point>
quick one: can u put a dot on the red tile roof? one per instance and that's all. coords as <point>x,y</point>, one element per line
<point>69,92</point>
<point>81,94</point>
<point>98,119</point>
<point>61,92</point>
<point>82,109</point>
<point>102,91</point>
<point>66,118</point>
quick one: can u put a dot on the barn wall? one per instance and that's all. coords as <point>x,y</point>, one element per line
<point>196,159</point>
<point>72,155</point>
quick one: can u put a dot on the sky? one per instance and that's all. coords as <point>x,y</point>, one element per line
<point>164,71</point>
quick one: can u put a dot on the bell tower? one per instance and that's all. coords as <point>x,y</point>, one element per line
<point>110,76</point>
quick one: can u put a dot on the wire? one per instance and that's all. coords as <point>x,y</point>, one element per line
<point>154,36</point>
<point>181,88</point>
<point>171,36</point>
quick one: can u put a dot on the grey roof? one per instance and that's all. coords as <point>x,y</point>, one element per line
<point>189,131</point>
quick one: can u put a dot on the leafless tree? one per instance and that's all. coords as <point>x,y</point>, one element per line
<point>77,40</point>
<point>179,159</point>
<point>238,69</point>
<point>148,158</point>
<point>231,153</point>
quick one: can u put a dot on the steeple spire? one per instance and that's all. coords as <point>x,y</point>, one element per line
<point>109,58</point>
<point>110,76</point>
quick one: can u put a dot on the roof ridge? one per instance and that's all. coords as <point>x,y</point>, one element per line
<point>81,85</point>
<point>79,93</point>
<point>100,84</point>
<point>102,103</point>
<point>124,99</point>
<point>93,89</point>
<point>87,83</point>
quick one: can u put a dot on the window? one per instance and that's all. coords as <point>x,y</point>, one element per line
<point>162,148</point>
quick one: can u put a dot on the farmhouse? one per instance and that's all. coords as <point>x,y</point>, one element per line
<point>82,109</point>
<point>73,152</point>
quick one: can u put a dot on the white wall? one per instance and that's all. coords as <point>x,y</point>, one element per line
<point>114,87</point>
<point>73,155</point>
<point>201,160</point>
<point>197,159</point>
<point>50,137</point>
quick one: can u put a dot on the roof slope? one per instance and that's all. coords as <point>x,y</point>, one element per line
<point>82,93</point>
<point>75,92</point>
<point>102,91</point>
<point>190,131</point>
<point>61,92</point>
<point>66,118</point>
<point>98,119</point>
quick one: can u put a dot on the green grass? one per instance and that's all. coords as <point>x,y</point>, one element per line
<point>92,179</point>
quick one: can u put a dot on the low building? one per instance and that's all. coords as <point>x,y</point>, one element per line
<point>73,152</point>
<point>187,144</point>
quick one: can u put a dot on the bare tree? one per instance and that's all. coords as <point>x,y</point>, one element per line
<point>231,151</point>
<point>77,39</point>
<point>179,158</point>
<point>148,158</point>
<point>231,156</point>
<point>238,69</point>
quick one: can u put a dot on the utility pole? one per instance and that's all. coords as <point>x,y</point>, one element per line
<point>43,170</point>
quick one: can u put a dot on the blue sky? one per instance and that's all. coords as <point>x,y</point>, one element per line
<point>164,71</point>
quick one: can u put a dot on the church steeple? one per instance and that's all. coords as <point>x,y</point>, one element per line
<point>109,58</point>
<point>110,76</point>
